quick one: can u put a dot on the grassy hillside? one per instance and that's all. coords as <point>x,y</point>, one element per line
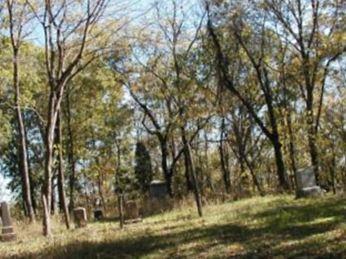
<point>273,226</point>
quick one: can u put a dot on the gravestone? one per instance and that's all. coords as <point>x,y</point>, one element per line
<point>98,214</point>
<point>158,189</point>
<point>80,217</point>
<point>7,232</point>
<point>159,197</point>
<point>306,183</point>
<point>131,210</point>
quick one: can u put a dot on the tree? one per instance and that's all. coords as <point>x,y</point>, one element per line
<point>143,167</point>
<point>94,121</point>
<point>61,171</point>
<point>18,18</point>
<point>244,38</point>
<point>313,29</point>
<point>66,55</point>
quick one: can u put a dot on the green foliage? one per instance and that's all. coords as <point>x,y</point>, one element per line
<point>143,167</point>
<point>5,130</point>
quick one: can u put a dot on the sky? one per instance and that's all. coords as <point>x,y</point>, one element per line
<point>5,194</point>
<point>137,11</point>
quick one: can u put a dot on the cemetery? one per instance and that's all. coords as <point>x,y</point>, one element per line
<point>229,229</point>
<point>172,129</point>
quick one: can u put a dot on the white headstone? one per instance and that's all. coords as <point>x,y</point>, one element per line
<point>306,183</point>
<point>306,178</point>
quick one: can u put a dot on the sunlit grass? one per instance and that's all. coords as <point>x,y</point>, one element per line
<point>266,227</point>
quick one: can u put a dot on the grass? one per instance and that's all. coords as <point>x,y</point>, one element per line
<point>273,226</point>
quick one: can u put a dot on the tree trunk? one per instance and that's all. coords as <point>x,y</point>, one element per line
<point>189,184</point>
<point>49,152</point>
<point>70,153</point>
<point>254,177</point>
<point>53,110</point>
<point>61,174</point>
<point>280,163</point>
<point>164,165</point>
<point>274,137</point>
<point>31,180</point>
<point>15,30</point>
<point>312,130</point>
<point>100,179</point>
<point>118,188</point>
<point>292,147</point>
<point>224,169</point>
<point>33,187</point>
<point>100,188</point>
<point>313,153</point>
<point>195,182</point>
<point>46,217</point>
<point>22,145</point>
<point>224,159</point>
<point>121,210</point>
<point>53,198</point>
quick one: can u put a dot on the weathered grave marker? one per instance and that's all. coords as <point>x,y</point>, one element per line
<point>159,197</point>
<point>306,183</point>
<point>80,217</point>
<point>158,189</point>
<point>131,210</point>
<point>98,214</point>
<point>7,232</point>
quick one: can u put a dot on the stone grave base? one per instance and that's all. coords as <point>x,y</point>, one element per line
<point>314,191</point>
<point>8,237</point>
<point>153,206</point>
<point>7,230</point>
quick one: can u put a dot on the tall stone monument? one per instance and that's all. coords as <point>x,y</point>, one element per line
<point>306,183</point>
<point>7,232</point>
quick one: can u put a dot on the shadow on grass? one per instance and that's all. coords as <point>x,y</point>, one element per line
<point>335,208</point>
<point>285,223</point>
